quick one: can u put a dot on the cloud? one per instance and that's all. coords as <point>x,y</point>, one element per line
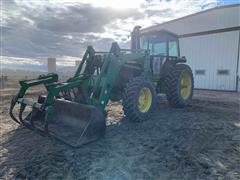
<point>31,32</point>
<point>83,19</point>
<point>22,61</point>
<point>64,28</point>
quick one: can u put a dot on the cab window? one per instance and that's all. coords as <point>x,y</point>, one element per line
<point>160,44</point>
<point>144,43</point>
<point>156,46</point>
<point>172,48</point>
<point>160,48</point>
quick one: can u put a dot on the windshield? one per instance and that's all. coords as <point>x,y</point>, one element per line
<point>159,45</point>
<point>155,45</point>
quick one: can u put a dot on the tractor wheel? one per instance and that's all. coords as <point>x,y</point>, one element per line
<point>179,85</point>
<point>139,99</point>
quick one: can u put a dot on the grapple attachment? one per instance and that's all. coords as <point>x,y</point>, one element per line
<point>68,121</point>
<point>72,123</point>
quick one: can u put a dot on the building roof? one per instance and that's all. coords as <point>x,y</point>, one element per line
<point>163,31</point>
<point>228,18</point>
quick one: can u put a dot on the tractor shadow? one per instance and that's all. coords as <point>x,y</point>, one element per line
<point>195,142</point>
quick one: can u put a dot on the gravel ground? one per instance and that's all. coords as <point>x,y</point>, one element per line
<point>201,141</point>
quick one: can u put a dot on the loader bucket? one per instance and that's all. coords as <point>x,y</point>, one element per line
<point>73,123</point>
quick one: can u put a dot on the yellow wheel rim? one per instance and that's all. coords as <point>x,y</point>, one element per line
<point>186,86</point>
<point>144,100</point>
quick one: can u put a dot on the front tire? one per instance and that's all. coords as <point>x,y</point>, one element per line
<point>139,99</point>
<point>179,86</point>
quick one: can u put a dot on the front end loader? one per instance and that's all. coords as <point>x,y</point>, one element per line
<point>74,113</point>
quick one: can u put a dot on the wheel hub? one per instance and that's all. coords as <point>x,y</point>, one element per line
<point>144,100</point>
<point>186,86</point>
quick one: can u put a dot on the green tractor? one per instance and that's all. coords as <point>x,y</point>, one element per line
<point>74,111</point>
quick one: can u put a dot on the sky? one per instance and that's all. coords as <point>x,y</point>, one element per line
<point>32,30</point>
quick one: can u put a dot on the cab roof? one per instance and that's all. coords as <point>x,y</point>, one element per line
<point>159,31</point>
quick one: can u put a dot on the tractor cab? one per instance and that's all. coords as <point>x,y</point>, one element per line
<point>164,50</point>
<point>159,42</point>
<point>162,44</point>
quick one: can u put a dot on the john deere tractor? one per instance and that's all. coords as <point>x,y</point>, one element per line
<point>74,111</point>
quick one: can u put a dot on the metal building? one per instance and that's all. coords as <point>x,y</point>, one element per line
<point>210,40</point>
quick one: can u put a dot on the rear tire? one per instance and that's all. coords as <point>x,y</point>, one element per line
<point>179,86</point>
<point>139,99</point>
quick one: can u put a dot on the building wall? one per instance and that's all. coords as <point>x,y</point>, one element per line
<point>216,55</point>
<point>238,75</point>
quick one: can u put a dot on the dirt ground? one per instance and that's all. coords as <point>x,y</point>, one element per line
<point>201,141</point>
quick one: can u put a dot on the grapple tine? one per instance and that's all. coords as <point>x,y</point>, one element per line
<point>22,108</point>
<point>13,103</point>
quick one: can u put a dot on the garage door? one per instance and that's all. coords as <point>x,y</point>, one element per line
<point>213,59</point>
